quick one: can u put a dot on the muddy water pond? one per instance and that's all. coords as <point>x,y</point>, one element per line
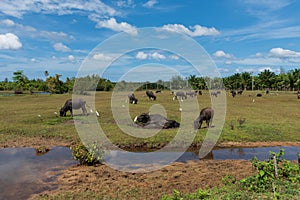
<point>23,172</point>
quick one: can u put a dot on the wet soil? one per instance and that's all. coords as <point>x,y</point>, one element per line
<point>107,182</point>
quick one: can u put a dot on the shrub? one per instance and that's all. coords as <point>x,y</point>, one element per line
<point>89,154</point>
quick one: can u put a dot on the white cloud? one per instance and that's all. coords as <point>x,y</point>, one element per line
<point>192,31</point>
<point>8,22</point>
<point>174,57</point>
<point>258,54</point>
<point>222,54</point>
<point>17,8</point>
<point>114,25</point>
<point>141,55</point>
<point>125,4</point>
<point>10,41</point>
<point>101,56</point>
<point>157,56</point>
<point>150,3</point>
<point>283,53</point>
<point>71,58</point>
<point>61,47</point>
<point>33,60</point>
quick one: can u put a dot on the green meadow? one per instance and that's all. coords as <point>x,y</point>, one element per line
<point>272,117</point>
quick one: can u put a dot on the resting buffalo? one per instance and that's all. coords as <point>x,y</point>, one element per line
<point>150,95</point>
<point>156,121</point>
<point>73,104</point>
<point>182,95</point>
<point>132,99</point>
<point>206,114</point>
<point>259,95</point>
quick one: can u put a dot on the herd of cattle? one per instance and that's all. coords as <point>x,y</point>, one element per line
<point>147,120</point>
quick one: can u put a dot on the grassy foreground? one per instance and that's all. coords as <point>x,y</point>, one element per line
<point>272,117</point>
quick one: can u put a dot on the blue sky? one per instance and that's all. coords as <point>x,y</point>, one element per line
<point>58,35</point>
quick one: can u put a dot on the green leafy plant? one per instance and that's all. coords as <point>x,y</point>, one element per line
<point>89,154</point>
<point>266,179</point>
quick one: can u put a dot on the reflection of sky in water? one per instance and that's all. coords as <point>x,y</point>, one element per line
<point>142,158</point>
<point>21,166</point>
<point>262,153</point>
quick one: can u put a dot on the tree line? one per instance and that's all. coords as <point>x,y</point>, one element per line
<point>265,80</point>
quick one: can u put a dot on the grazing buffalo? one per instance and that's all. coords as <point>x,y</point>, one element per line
<point>180,95</point>
<point>73,104</point>
<point>240,92</point>
<point>259,95</point>
<point>191,93</point>
<point>267,91</point>
<point>158,91</point>
<point>233,93</point>
<point>206,114</point>
<point>132,99</point>
<point>214,94</point>
<point>155,121</point>
<point>200,92</point>
<point>150,95</point>
<point>298,94</point>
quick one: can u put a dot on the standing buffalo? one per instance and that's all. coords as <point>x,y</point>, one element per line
<point>298,94</point>
<point>206,114</point>
<point>132,99</point>
<point>259,95</point>
<point>150,95</point>
<point>233,93</point>
<point>191,93</point>
<point>73,104</point>
<point>182,95</point>
<point>240,91</point>
<point>155,121</point>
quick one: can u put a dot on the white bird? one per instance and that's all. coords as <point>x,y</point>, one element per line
<point>55,113</point>
<point>97,113</point>
<point>40,116</point>
<point>253,100</point>
<point>135,119</point>
<point>180,109</point>
<point>123,106</point>
<point>91,111</point>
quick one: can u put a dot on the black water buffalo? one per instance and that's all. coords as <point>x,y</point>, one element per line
<point>150,95</point>
<point>158,91</point>
<point>73,104</point>
<point>155,121</point>
<point>200,92</point>
<point>180,95</point>
<point>191,93</point>
<point>259,95</point>
<point>233,93</point>
<point>206,114</point>
<point>240,92</point>
<point>214,94</point>
<point>132,99</point>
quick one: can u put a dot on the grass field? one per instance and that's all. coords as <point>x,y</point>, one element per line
<point>272,117</point>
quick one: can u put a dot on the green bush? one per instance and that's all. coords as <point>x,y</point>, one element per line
<point>265,180</point>
<point>89,154</point>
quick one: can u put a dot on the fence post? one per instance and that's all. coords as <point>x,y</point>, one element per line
<point>275,166</point>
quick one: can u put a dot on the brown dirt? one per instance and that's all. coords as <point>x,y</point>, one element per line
<point>185,177</point>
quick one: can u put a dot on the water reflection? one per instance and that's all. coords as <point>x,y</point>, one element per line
<point>24,173</point>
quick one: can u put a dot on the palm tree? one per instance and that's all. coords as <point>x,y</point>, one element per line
<point>267,79</point>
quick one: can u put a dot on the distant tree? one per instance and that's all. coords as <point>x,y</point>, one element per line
<point>20,80</point>
<point>55,85</point>
<point>266,79</point>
